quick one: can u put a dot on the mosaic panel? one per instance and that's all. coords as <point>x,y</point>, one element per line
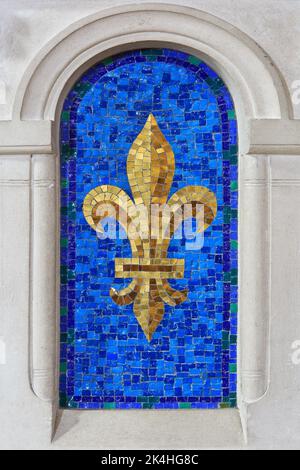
<point>148,323</point>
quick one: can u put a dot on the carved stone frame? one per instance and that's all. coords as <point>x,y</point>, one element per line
<point>266,126</point>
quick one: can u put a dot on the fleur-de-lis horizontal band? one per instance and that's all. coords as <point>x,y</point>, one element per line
<point>150,170</point>
<point>149,268</point>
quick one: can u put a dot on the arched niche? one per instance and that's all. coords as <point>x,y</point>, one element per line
<point>154,365</point>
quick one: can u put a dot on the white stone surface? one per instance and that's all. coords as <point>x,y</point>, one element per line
<point>254,289</point>
<point>274,422</point>
<point>254,44</point>
<point>25,420</point>
<point>44,251</point>
<point>168,429</point>
<point>27,25</point>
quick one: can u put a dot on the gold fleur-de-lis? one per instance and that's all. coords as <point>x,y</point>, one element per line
<point>150,170</point>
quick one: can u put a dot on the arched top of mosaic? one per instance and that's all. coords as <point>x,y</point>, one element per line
<point>191,68</point>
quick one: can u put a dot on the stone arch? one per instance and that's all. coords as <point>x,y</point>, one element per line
<point>256,84</point>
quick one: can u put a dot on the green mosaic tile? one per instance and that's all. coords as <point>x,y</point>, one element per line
<point>185,405</point>
<point>231,114</point>
<point>109,406</point>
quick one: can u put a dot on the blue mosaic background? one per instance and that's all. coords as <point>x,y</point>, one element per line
<point>106,361</point>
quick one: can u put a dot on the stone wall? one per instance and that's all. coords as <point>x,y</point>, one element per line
<point>254,45</point>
